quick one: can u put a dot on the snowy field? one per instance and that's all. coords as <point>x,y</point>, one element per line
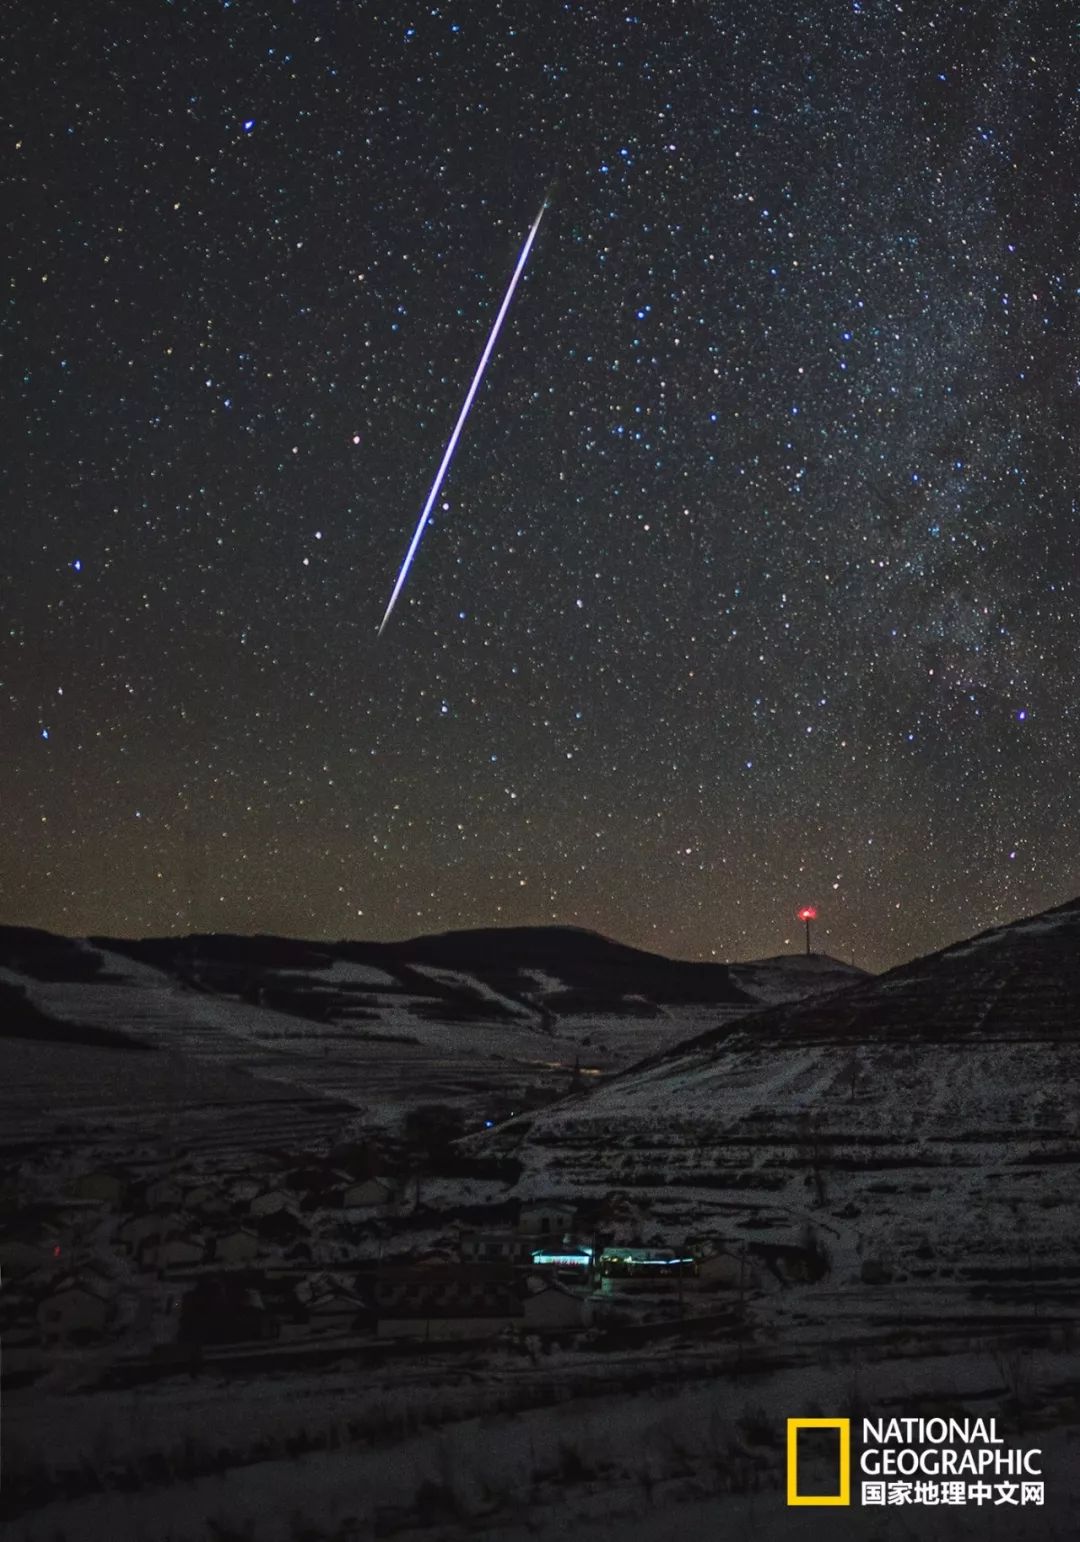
<point>682,1443</point>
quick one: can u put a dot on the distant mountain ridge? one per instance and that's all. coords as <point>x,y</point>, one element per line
<point>595,971</point>
<point>491,1021</point>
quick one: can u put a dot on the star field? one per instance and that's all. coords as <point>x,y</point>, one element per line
<point>754,579</point>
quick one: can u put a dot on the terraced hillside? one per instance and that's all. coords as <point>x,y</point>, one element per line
<point>917,1135</point>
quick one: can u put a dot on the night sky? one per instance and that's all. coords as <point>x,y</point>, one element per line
<point>755,578</point>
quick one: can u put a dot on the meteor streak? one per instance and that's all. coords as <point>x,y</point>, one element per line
<point>448,454</point>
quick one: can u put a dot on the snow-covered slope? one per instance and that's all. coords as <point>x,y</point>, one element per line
<point>793,976</point>
<point>483,1017</point>
<point>923,1126</point>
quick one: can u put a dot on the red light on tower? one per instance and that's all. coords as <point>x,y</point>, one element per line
<point>807,913</point>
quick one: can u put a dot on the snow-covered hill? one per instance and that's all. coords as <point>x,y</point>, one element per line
<point>920,1131</point>
<point>488,1019</point>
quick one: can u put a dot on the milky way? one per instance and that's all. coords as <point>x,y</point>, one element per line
<point>760,587</point>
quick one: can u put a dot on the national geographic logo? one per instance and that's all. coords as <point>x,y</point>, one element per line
<point>841,1494</point>
<point>912,1461</point>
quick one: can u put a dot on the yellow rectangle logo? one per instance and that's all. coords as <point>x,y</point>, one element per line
<point>843,1497</point>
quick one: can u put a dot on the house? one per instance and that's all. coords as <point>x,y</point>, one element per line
<point>435,1258</point>
<point>495,1247</point>
<point>104,1187</point>
<point>19,1257</point>
<point>270,1202</point>
<point>199,1196</point>
<point>573,1257</point>
<point>74,1226</point>
<point>139,1229</point>
<point>550,1306</point>
<point>74,1310</point>
<point>163,1193</point>
<point>245,1189</point>
<point>546,1220</point>
<point>236,1247</point>
<point>331,1306</point>
<point>645,1268</point>
<point>178,1250</point>
<point>369,1191</point>
<point>436,1302</point>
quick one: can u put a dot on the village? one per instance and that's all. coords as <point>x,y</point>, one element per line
<point>234,1307</point>
<point>120,1264</point>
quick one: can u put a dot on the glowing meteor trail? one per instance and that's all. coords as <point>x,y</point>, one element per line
<point>460,424</point>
